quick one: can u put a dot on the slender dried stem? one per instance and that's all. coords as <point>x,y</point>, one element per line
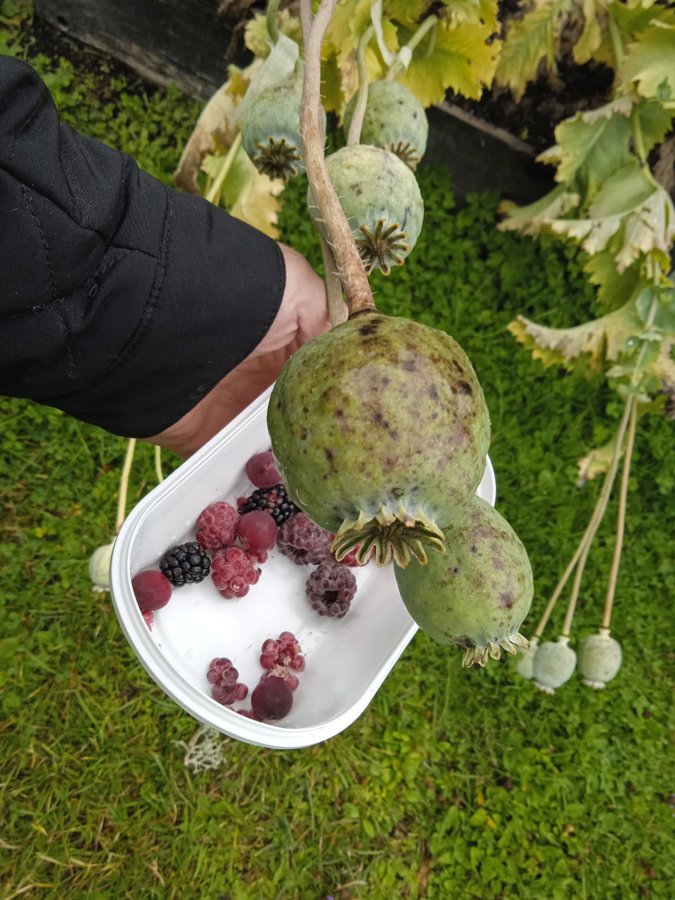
<point>350,267</point>
<point>621,516</point>
<point>356,124</point>
<point>124,484</point>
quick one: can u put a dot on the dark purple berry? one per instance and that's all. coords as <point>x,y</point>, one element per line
<point>330,590</point>
<point>185,564</point>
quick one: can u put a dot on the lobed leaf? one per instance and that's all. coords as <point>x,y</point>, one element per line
<point>529,42</point>
<point>598,341</point>
<point>649,62</point>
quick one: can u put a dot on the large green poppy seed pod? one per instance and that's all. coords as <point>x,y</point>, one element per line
<point>476,594</point>
<point>380,432</point>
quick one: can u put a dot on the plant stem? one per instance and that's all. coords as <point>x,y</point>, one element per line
<point>338,231</point>
<point>124,484</point>
<point>402,60</point>
<point>337,308</point>
<point>272,11</point>
<point>591,528</point>
<point>354,135</point>
<point>213,192</point>
<point>158,464</point>
<point>621,516</point>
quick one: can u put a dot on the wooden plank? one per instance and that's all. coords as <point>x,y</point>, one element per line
<point>183,42</point>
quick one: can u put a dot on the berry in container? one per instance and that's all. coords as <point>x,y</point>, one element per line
<point>263,636</point>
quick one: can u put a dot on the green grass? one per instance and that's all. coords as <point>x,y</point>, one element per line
<point>452,784</point>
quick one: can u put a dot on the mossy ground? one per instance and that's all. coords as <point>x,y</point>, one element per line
<point>452,784</point>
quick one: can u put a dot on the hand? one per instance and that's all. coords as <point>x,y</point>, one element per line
<point>302,315</point>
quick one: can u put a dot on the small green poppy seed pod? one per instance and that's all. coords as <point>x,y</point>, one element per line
<point>99,568</point>
<point>553,665</point>
<point>599,659</point>
<point>525,666</point>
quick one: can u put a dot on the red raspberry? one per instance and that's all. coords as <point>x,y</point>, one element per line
<point>222,676</point>
<point>217,526</point>
<point>284,652</point>
<point>233,572</point>
<point>303,541</point>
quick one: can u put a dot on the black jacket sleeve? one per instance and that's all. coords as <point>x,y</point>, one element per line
<point>122,301</point>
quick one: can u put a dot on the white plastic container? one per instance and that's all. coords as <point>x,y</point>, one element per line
<point>346,659</point>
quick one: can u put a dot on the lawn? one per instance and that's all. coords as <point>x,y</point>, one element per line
<point>453,783</point>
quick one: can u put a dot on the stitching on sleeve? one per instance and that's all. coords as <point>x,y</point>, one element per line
<point>44,97</point>
<point>70,362</point>
<point>43,238</point>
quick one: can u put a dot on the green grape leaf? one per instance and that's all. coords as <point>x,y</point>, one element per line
<point>592,146</point>
<point>592,343</point>
<point>649,62</point>
<point>461,59</point>
<point>529,42</point>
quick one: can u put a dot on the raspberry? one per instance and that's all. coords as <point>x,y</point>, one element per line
<point>185,564</point>
<point>217,526</point>
<point>330,590</point>
<point>233,572</point>
<point>303,541</point>
<point>223,678</point>
<point>274,500</point>
<point>285,651</point>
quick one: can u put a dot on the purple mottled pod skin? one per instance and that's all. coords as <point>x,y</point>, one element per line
<point>380,432</point>
<point>475,595</point>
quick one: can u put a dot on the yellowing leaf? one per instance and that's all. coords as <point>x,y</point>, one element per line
<point>529,42</point>
<point>655,122</point>
<point>591,35</point>
<point>595,463</point>
<point>257,39</point>
<point>215,130</point>
<point>533,217</point>
<point>590,149</point>
<point>461,60</point>
<point>649,62</point>
<point>597,341</point>
<point>247,194</point>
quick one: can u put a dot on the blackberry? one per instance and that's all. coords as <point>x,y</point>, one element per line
<point>273,500</point>
<point>330,590</point>
<point>185,564</point>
